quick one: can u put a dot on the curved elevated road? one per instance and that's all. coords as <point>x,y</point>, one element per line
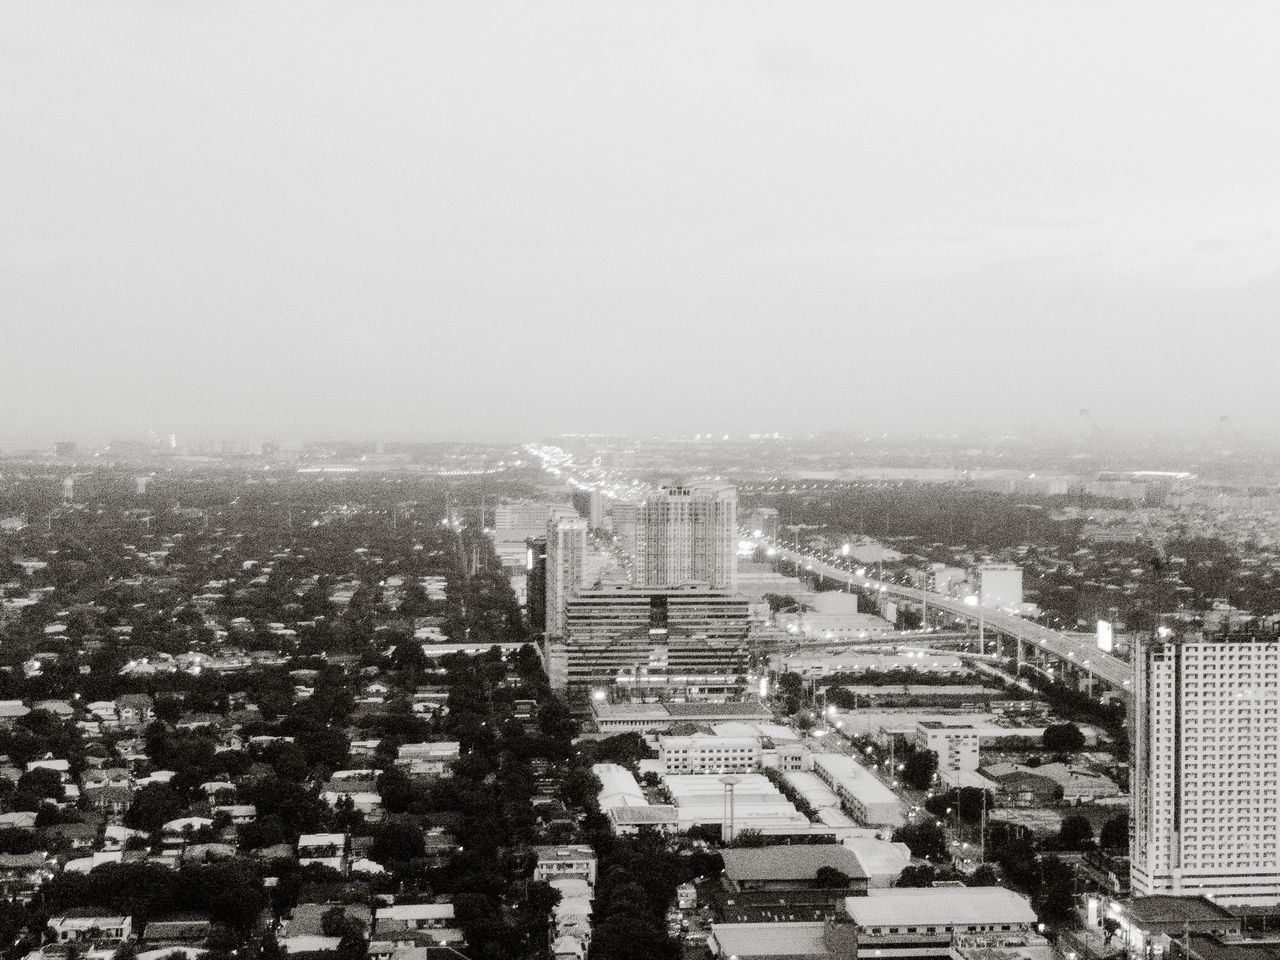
<point>1069,648</point>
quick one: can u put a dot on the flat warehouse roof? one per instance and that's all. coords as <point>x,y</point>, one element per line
<point>939,906</point>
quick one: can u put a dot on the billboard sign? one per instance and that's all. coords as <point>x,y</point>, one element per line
<point>1105,638</point>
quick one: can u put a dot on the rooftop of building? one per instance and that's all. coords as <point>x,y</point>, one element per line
<point>1204,947</point>
<point>639,816</point>
<point>1168,909</point>
<point>628,590</point>
<point>669,742</point>
<point>715,710</point>
<point>779,940</point>
<point>575,851</point>
<point>790,862</point>
<point>940,906</point>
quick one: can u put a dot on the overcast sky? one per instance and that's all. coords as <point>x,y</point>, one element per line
<point>455,219</point>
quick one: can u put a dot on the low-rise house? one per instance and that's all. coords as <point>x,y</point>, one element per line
<point>56,764</point>
<point>327,849</point>
<point>109,801</point>
<point>208,852</point>
<point>239,813</point>
<point>428,759</point>
<point>362,793</point>
<point>117,836</point>
<point>212,788</point>
<point>567,947</point>
<point>198,721</point>
<point>23,874</point>
<point>402,918</point>
<point>229,742</point>
<point>104,711</point>
<point>105,777</point>
<point>182,931</point>
<point>70,837</point>
<point>310,944</point>
<point>184,826</point>
<point>11,710</point>
<point>59,708</point>
<point>1018,786</point>
<point>93,861</point>
<point>567,860</point>
<point>1079,783</point>
<point>89,926</point>
<point>307,918</point>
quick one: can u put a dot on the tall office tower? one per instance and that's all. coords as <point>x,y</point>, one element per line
<point>566,553</point>
<point>689,534</point>
<point>1206,779</point>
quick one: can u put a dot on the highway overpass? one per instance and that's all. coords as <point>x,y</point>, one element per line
<point>1079,656</point>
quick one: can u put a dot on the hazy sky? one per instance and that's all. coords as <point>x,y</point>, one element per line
<point>451,219</point>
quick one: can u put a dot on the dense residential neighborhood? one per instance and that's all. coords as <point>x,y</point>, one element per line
<point>221,730</point>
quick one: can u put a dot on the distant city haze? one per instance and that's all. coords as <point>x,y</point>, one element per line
<point>449,220</point>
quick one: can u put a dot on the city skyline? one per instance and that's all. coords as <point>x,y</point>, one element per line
<point>613,481</point>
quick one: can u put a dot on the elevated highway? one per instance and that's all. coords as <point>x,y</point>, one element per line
<point>1078,655</point>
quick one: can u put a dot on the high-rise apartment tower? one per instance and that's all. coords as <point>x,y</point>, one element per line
<point>566,555</point>
<point>689,534</point>
<point>1206,768</point>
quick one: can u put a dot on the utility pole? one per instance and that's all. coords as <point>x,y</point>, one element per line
<point>982,858</point>
<point>726,830</point>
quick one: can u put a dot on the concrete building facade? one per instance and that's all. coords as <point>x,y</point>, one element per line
<point>566,558</point>
<point>1205,779</point>
<point>689,534</point>
<point>638,644</point>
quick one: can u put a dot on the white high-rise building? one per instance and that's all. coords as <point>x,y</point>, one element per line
<point>566,556</point>
<point>1206,768</point>
<point>689,534</point>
